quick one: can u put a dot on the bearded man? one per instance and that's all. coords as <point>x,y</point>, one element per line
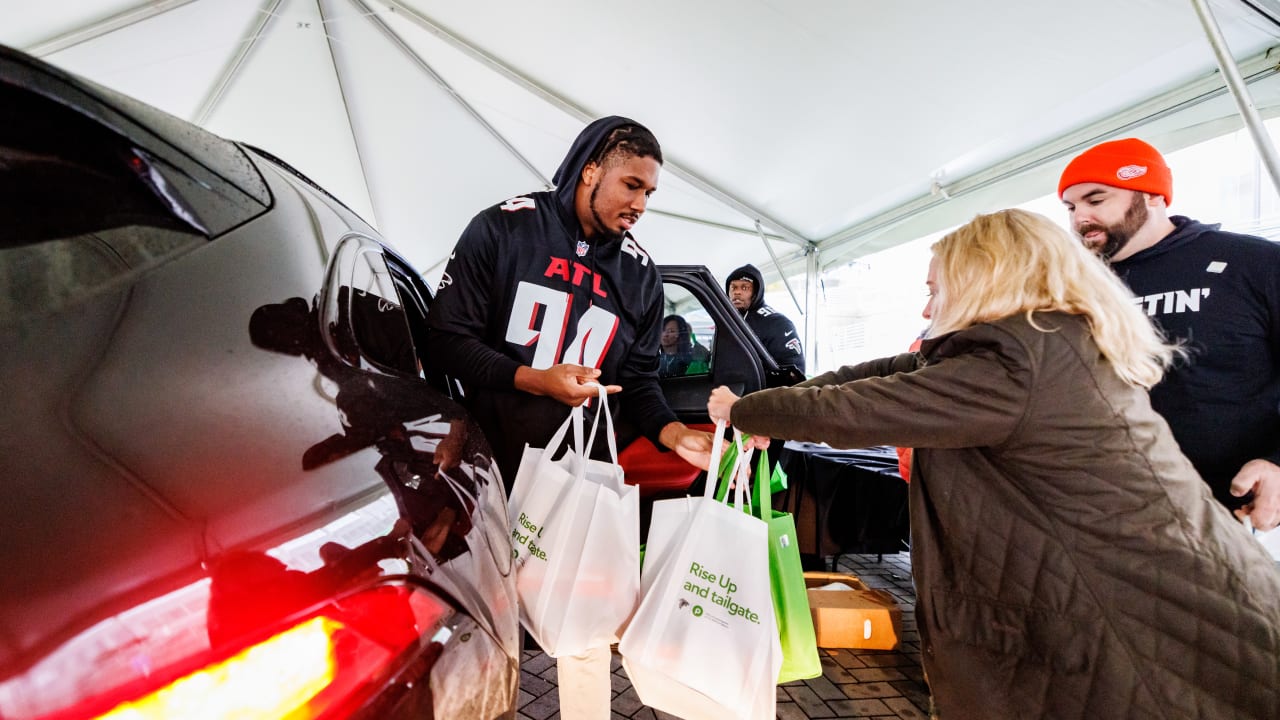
<point>1216,292</point>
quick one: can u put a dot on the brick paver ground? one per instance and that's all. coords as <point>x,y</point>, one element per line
<point>886,684</point>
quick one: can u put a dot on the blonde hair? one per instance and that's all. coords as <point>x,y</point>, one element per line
<point>1014,261</point>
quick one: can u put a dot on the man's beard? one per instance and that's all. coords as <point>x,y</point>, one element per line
<point>1119,235</point>
<point>605,233</point>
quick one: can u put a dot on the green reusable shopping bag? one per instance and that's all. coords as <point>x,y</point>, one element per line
<point>786,578</point>
<point>777,481</point>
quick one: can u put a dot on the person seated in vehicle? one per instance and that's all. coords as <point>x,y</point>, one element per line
<point>680,353</point>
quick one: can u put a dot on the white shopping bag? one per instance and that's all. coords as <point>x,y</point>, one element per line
<point>704,641</point>
<point>575,539</point>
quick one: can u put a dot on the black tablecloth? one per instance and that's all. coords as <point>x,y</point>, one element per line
<point>844,501</point>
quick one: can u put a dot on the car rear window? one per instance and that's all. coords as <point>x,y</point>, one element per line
<point>216,153</point>
<point>78,211</point>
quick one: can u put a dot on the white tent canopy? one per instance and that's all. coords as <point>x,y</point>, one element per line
<point>834,126</point>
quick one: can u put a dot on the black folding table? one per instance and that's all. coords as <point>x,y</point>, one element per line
<point>844,501</point>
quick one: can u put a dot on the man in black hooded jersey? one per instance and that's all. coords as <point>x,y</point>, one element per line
<point>547,292</point>
<point>745,288</point>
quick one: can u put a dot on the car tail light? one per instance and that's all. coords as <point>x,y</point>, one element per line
<point>269,680</point>
<point>336,658</point>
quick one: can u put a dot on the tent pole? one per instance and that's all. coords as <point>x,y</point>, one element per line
<point>582,114</point>
<point>1235,83</point>
<point>346,109</point>
<point>778,265</point>
<point>842,243</point>
<point>105,26</point>
<point>416,59</point>
<point>811,302</point>
<point>266,14</point>
<point>710,223</point>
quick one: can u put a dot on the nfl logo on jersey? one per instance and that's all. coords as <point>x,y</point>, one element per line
<point>582,248</point>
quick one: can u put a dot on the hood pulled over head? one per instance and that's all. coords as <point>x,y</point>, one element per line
<point>585,148</point>
<point>748,272</point>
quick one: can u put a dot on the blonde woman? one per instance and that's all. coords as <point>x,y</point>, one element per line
<point>1068,561</point>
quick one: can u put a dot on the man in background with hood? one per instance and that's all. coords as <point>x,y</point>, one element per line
<point>745,287</point>
<point>1219,293</point>
<point>547,292</point>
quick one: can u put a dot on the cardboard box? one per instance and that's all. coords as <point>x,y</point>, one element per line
<point>859,618</point>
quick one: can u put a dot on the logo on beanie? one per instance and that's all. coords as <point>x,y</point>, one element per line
<point>1131,172</point>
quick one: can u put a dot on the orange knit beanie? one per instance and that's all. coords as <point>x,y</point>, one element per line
<point>1129,164</point>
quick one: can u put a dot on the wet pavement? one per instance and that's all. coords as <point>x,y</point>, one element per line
<point>885,684</point>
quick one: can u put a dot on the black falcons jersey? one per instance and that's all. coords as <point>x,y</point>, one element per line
<point>776,331</point>
<point>520,289</point>
<point>1220,292</point>
<point>778,334</point>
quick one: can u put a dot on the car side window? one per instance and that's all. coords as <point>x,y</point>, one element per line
<point>374,311</point>
<point>366,323</point>
<point>77,215</point>
<point>415,298</point>
<point>687,345</point>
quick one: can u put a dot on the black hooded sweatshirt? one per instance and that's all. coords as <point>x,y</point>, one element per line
<point>1220,292</point>
<point>525,286</point>
<point>772,327</point>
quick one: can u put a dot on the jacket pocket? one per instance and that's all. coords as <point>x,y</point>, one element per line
<point>1065,644</point>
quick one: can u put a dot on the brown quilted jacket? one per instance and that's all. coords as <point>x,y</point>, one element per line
<point>1069,563</point>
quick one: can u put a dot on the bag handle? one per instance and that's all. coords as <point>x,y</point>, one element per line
<point>727,470</point>
<point>713,467</point>
<point>739,476</point>
<point>743,484</point>
<point>612,438</point>
<point>575,421</point>
<point>761,505</point>
<point>575,414</point>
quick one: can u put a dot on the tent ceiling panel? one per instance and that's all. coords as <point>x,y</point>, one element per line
<point>674,242</point>
<point>1200,121</point>
<point>832,118</point>
<point>287,99</point>
<point>28,23</point>
<point>192,41</point>
<point>679,197</point>
<point>831,114</point>
<point>539,131</point>
<point>449,168</point>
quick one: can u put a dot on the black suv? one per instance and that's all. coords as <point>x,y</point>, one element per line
<point>228,480</point>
